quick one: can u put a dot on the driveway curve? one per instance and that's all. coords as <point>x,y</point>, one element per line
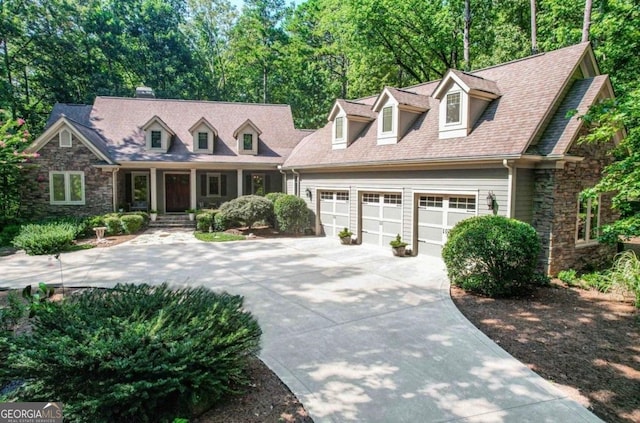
<point>356,334</point>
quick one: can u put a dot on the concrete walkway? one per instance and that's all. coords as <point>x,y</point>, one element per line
<point>356,334</point>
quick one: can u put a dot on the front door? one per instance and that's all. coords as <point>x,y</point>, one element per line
<point>177,192</point>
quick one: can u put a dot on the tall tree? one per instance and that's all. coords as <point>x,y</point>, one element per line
<point>587,20</point>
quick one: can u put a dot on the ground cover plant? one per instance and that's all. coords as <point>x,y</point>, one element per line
<point>140,353</point>
<point>493,255</point>
<point>217,236</point>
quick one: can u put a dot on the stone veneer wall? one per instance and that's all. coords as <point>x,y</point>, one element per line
<point>555,209</point>
<point>98,184</point>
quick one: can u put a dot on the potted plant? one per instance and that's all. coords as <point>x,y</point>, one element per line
<point>153,214</point>
<point>345,236</point>
<point>192,213</point>
<point>398,246</point>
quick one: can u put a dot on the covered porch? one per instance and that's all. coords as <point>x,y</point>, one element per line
<point>175,190</point>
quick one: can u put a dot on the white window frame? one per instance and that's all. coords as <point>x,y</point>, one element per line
<point>151,147</point>
<point>446,108</point>
<point>64,141</point>
<point>342,120</point>
<point>67,187</point>
<point>431,201</point>
<point>390,116</point>
<point>206,148</point>
<point>587,233</point>
<point>214,175</point>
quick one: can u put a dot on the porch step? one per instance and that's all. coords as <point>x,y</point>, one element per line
<point>173,221</point>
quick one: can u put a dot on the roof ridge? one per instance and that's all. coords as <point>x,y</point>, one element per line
<point>196,101</point>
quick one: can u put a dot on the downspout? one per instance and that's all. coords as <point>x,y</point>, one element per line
<point>115,188</point>
<point>511,186</point>
<point>284,177</point>
<point>296,182</point>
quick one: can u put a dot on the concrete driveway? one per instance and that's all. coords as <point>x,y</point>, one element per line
<point>356,334</point>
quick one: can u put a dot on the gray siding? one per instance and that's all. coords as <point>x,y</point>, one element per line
<point>523,195</point>
<point>479,181</point>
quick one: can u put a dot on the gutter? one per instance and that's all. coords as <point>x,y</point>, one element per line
<point>511,185</point>
<point>296,181</point>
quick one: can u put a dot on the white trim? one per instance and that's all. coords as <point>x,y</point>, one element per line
<point>588,241</point>
<point>67,187</point>
<point>65,142</point>
<point>154,188</point>
<point>240,183</point>
<point>446,108</point>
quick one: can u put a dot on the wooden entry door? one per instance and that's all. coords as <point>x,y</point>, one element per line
<point>177,192</point>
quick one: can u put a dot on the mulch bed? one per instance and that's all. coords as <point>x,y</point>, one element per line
<point>586,342</point>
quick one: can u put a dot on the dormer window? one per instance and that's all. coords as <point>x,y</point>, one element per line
<point>453,108</point>
<point>247,141</point>
<point>387,119</point>
<point>203,140</point>
<point>248,136</point>
<point>339,125</point>
<point>65,138</point>
<point>157,135</point>
<point>156,139</point>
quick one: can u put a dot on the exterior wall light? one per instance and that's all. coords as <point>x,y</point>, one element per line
<point>491,200</point>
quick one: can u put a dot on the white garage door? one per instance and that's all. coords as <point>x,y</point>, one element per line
<point>381,217</point>
<point>334,211</point>
<point>437,214</point>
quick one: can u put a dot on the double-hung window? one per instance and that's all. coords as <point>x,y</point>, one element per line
<point>156,139</point>
<point>453,108</point>
<point>66,187</point>
<point>588,219</point>
<point>203,140</point>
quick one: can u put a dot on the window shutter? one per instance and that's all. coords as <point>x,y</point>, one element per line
<point>223,185</point>
<point>127,188</point>
<point>267,183</point>
<point>247,184</point>
<point>203,185</point>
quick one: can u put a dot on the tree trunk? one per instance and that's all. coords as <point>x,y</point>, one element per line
<point>467,28</point>
<point>587,20</point>
<point>534,29</point>
<point>264,84</point>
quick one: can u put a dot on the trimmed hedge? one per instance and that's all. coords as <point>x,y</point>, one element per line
<point>131,223</point>
<point>273,196</point>
<point>47,238</point>
<point>135,353</point>
<point>247,209</point>
<point>113,224</point>
<point>291,213</point>
<point>205,220</point>
<point>493,256</point>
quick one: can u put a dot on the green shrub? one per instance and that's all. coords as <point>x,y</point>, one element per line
<point>493,255</point>
<point>136,353</point>
<point>47,238</point>
<point>273,196</point>
<point>291,213</point>
<point>131,223</point>
<point>144,215</point>
<point>221,222</point>
<point>205,220</point>
<point>625,274</point>
<point>596,280</point>
<point>8,233</point>
<point>248,209</point>
<point>568,276</point>
<point>113,224</point>
<point>12,312</point>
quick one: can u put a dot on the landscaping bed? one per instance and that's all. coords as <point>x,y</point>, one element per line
<point>585,341</point>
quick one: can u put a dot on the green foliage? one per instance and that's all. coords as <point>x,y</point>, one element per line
<point>345,233</point>
<point>11,313</point>
<point>273,196</point>
<point>247,209</point>
<point>625,274</point>
<point>47,238</point>
<point>493,255</point>
<point>398,242</point>
<point>39,300</point>
<point>217,236</point>
<point>205,220</point>
<point>568,276</point>
<point>221,222</point>
<point>8,233</point>
<point>131,223</point>
<point>113,224</point>
<point>135,353</point>
<point>292,213</point>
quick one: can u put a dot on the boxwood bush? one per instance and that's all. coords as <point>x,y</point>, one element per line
<point>131,223</point>
<point>273,196</point>
<point>135,353</point>
<point>47,238</point>
<point>205,219</point>
<point>113,224</point>
<point>493,256</point>
<point>247,209</point>
<point>291,213</point>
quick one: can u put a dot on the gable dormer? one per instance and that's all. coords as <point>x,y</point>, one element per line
<point>157,135</point>
<point>247,135</point>
<point>204,136</point>
<point>348,120</point>
<point>397,110</point>
<point>463,97</point>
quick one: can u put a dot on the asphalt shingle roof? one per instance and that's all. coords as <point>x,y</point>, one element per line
<point>529,89</point>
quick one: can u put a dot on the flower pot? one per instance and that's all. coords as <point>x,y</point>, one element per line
<point>345,240</point>
<point>153,216</point>
<point>192,216</point>
<point>398,251</point>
